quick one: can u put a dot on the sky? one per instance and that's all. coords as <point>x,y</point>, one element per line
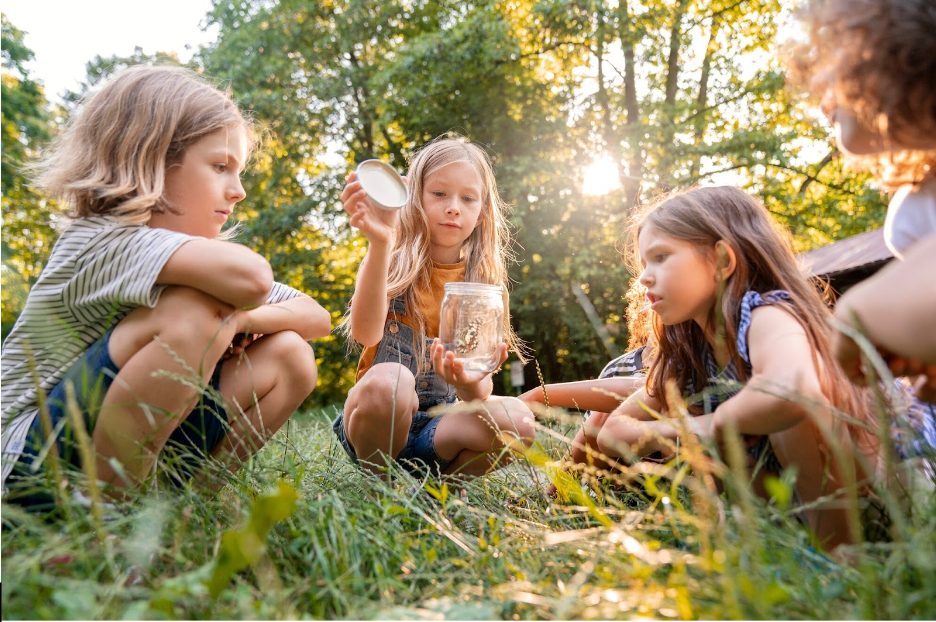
<point>65,34</point>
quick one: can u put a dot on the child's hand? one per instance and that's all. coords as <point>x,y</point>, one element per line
<point>848,355</point>
<point>377,224</point>
<point>633,439</point>
<point>453,371</point>
<point>239,345</point>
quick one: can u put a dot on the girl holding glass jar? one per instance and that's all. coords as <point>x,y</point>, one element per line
<point>450,229</point>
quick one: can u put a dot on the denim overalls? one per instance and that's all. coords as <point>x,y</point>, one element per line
<point>396,346</point>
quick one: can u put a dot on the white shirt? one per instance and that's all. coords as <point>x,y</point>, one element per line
<point>911,216</point>
<point>100,269</point>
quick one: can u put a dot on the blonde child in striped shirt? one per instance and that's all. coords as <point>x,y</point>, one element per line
<point>143,304</point>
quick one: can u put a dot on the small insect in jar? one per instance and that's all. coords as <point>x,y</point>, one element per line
<point>472,324</point>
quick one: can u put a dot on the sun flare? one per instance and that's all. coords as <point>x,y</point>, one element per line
<point>601,177</point>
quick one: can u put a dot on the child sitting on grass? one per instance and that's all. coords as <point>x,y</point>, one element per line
<point>730,305</point>
<point>142,302</point>
<point>620,377</point>
<point>451,229</point>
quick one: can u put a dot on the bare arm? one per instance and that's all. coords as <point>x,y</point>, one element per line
<point>369,302</point>
<point>782,365</point>
<point>601,394</point>
<point>230,272</point>
<point>896,308</point>
<point>782,368</point>
<point>629,427</point>
<point>302,315</point>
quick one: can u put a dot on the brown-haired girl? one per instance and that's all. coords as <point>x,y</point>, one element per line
<point>141,305</point>
<point>452,228</point>
<point>729,303</point>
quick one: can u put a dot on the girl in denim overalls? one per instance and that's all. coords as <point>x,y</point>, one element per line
<point>730,303</point>
<point>452,228</point>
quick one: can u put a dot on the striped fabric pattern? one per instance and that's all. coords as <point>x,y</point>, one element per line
<point>100,269</point>
<point>628,364</point>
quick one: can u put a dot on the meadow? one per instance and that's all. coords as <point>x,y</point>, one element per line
<point>300,532</point>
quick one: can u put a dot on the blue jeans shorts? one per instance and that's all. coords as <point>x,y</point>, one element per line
<point>418,455</point>
<point>91,377</point>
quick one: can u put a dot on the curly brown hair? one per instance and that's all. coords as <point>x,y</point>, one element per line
<point>878,58</point>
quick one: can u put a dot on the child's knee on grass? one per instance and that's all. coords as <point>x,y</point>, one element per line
<point>382,403</point>
<point>818,476</point>
<point>278,369</point>
<point>520,422</point>
<point>498,423</point>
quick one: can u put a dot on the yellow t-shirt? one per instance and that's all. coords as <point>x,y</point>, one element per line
<point>429,302</point>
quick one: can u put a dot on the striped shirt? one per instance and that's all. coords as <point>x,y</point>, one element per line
<point>100,270</point>
<point>628,364</point>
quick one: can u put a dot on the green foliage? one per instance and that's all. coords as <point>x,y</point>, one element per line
<point>676,93</point>
<point>246,547</point>
<point>27,221</point>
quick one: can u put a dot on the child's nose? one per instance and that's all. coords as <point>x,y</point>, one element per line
<point>645,278</point>
<point>454,207</point>
<point>236,192</point>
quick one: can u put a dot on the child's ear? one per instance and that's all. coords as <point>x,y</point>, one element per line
<point>725,260</point>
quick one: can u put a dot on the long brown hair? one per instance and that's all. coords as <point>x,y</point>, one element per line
<point>764,262</point>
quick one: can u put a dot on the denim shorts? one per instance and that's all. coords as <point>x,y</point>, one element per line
<point>91,377</point>
<point>418,455</point>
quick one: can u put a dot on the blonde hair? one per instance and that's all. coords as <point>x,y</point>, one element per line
<point>113,155</point>
<point>764,262</point>
<point>486,252</point>
<point>878,57</point>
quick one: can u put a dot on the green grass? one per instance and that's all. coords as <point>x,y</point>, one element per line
<point>353,546</point>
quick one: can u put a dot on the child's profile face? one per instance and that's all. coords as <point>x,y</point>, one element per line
<point>205,186</point>
<point>680,280</point>
<point>452,199</point>
<point>854,137</point>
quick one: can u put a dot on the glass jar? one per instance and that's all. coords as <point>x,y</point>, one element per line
<point>472,324</point>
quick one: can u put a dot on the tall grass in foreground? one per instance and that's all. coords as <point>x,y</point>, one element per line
<point>348,545</point>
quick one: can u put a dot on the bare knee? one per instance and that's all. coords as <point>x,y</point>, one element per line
<point>296,360</point>
<point>385,397</point>
<point>384,386</point>
<point>522,422</point>
<point>186,313</point>
<point>191,323</point>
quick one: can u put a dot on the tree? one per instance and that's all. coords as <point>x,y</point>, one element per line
<point>28,217</point>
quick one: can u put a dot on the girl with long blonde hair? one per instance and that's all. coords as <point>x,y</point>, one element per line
<point>452,228</point>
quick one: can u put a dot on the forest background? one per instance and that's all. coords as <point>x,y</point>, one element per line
<point>587,107</point>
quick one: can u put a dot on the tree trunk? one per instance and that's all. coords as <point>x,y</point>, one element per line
<point>632,107</point>
<point>665,170</point>
<point>701,99</point>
